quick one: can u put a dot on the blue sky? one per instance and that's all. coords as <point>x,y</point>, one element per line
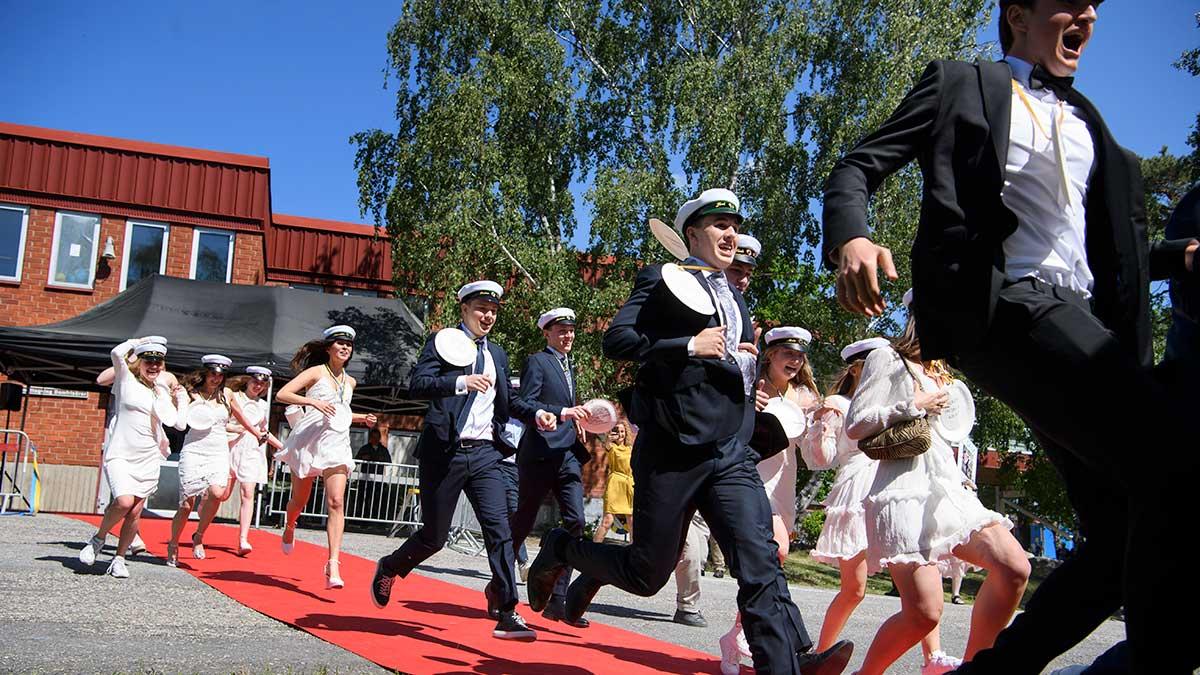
<point>293,80</point>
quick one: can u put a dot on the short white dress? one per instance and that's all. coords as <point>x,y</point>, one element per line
<point>778,474</point>
<point>246,454</point>
<point>917,510</point>
<point>844,534</point>
<point>204,458</point>
<point>136,445</point>
<point>313,447</point>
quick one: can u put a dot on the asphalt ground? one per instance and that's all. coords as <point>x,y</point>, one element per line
<point>56,617</point>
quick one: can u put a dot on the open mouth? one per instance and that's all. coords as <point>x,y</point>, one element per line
<point>1073,42</point>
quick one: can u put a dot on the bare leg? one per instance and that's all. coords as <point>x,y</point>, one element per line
<point>782,536</point>
<point>602,530</point>
<point>301,488</point>
<point>920,611</point>
<point>629,526</point>
<point>932,642</point>
<point>208,508</point>
<point>994,549</point>
<point>246,511</point>
<point>956,580</point>
<point>130,526</point>
<point>335,490</point>
<point>117,509</point>
<point>180,520</point>
<point>851,593</point>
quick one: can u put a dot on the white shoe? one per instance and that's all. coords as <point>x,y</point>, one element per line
<point>137,546</point>
<point>332,578</point>
<point>286,545</point>
<point>244,547</point>
<point>197,548</point>
<point>940,662</point>
<point>87,554</point>
<point>1069,670</point>
<point>116,568</point>
<point>731,655</point>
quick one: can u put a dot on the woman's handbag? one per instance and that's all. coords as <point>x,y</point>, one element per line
<point>902,440</point>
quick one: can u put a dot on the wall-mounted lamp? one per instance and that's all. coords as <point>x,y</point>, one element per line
<point>110,251</point>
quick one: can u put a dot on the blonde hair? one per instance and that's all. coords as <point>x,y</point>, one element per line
<point>909,346</point>
<point>627,441</point>
<point>240,383</point>
<point>194,382</point>
<point>803,378</point>
<point>135,367</point>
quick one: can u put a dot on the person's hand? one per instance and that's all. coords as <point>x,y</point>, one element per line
<point>761,399</point>
<point>748,348</point>
<point>757,332</point>
<point>932,402</point>
<point>546,421</point>
<point>576,413</point>
<point>369,419</point>
<point>858,279</point>
<point>328,409</point>
<point>1189,255</point>
<point>479,383</point>
<point>710,343</point>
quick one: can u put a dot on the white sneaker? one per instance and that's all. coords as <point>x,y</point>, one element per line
<point>940,662</point>
<point>116,568</point>
<point>731,655</point>
<point>137,546</point>
<point>87,554</point>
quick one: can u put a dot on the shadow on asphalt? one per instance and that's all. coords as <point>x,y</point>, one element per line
<point>454,571</point>
<point>72,563</point>
<point>626,612</point>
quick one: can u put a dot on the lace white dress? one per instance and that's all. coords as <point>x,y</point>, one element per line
<point>204,458</point>
<point>917,510</point>
<point>136,445</point>
<point>778,474</point>
<point>844,534</point>
<point>246,454</point>
<point>313,446</point>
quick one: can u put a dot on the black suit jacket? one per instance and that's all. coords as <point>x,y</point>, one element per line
<point>433,379</point>
<point>699,401</point>
<point>955,123</point>
<point>544,387</point>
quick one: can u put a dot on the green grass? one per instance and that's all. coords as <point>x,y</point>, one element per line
<point>801,569</point>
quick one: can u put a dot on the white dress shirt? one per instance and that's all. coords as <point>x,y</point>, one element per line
<point>479,419</point>
<point>1050,240</point>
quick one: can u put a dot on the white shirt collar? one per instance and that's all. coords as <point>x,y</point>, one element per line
<point>463,327</point>
<point>555,352</point>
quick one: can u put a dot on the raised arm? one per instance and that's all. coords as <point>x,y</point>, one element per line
<point>885,396</point>
<point>290,394</point>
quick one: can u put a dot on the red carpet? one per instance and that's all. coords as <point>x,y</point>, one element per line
<point>430,627</point>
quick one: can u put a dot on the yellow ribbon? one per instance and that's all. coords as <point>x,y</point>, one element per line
<point>1055,138</point>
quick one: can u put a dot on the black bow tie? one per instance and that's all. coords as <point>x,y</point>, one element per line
<point>1040,78</point>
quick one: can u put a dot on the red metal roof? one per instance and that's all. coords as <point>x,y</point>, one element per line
<point>180,182</point>
<point>314,250</point>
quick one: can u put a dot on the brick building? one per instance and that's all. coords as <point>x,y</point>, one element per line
<point>82,217</point>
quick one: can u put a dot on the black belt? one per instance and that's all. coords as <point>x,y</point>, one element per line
<point>472,443</point>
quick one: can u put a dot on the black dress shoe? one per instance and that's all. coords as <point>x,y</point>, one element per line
<point>493,603</point>
<point>693,619</point>
<point>557,611</point>
<point>832,661</point>
<point>579,596</point>
<point>512,627</point>
<point>381,586</point>
<point>545,570</point>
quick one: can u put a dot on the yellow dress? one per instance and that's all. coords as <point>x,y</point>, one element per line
<point>618,493</point>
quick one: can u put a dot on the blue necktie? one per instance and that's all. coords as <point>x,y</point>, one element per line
<point>466,411</point>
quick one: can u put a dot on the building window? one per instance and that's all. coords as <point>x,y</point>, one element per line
<point>361,292</point>
<point>315,288</point>
<point>14,221</point>
<point>212,255</point>
<point>418,305</point>
<point>145,251</point>
<point>73,254</point>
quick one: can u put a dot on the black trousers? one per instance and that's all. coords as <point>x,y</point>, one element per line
<point>562,476</point>
<point>442,477</point>
<point>1104,421</point>
<point>672,483</point>
<point>511,491</point>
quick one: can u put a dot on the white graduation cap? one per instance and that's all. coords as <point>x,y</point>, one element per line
<point>792,337</point>
<point>564,315</point>
<point>860,348</point>
<point>150,350</point>
<point>748,250</point>
<point>486,289</point>
<point>216,362</point>
<point>258,372</point>
<point>713,200</point>
<point>339,332</point>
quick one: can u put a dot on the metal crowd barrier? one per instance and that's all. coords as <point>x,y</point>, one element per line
<point>18,480</point>
<point>377,492</point>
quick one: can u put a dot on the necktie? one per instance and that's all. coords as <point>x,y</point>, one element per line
<point>566,368</point>
<point>1040,78</point>
<point>732,319</point>
<point>478,369</point>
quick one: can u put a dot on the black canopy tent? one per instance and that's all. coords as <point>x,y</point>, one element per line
<point>252,325</point>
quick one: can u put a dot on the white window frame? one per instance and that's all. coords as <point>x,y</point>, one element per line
<point>360,293</point>
<point>196,250</point>
<point>311,288</point>
<point>21,244</point>
<point>162,263</point>
<point>54,251</point>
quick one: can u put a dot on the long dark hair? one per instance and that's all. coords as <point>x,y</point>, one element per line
<point>847,380</point>
<point>314,353</point>
<point>240,383</point>
<point>194,382</point>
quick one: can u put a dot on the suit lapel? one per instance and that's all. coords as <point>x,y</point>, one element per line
<point>556,366</point>
<point>702,277</point>
<point>996,89</point>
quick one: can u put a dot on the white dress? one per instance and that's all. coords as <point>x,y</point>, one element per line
<point>313,447</point>
<point>204,458</point>
<point>917,510</point>
<point>246,454</point>
<point>844,534</point>
<point>778,474</point>
<point>136,444</point>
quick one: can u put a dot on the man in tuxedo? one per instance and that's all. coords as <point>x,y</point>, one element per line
<point>1032,274</point>
<point>695,417</point>
<point>550,457</point>
<point>457,452</point>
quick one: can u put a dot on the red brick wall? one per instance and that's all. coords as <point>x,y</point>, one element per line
<point>64,430</point>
